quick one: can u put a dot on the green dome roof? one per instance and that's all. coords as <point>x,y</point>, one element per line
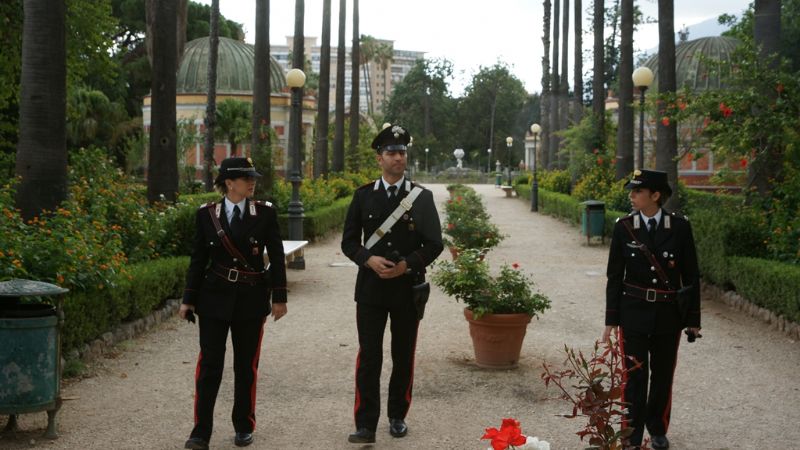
<point>690,71</point>
<point>235,66</point>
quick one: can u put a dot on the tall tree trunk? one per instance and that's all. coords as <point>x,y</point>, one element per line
<point>211,97</point>
<point>42,145</point>
<point>546,92</point>
<point>563,108</point>
<point>262,91</point>
<point>298,62</point>
<point>183,16</point>
<point>162,168</point>
<point>598,78</point>
<point>767,36</point>
<point>182,11</point>
<point>667,135</point>
<point>624,165</point>
<point>577,112</point>
<point>555,90</point>
<point>354,91</point>
<point>367,84</point>
<point>341,55</point>
<point>321,144</point>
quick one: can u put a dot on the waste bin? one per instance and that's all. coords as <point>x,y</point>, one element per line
<point>30,355</point>
<point>593,220</point>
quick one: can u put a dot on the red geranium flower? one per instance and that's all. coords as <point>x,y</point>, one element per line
<point>665,121</point>
<point>599,161</point>
<point>725,110</point>
<point>743,163</point>
<point>508,434</point>
<point>450,226</point>
<point>515,265</point>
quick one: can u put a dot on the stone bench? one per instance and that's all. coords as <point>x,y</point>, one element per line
<point>292,250</point>
<point>509,190</point>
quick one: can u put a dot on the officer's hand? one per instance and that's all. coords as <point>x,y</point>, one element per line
<point>695,331</point>
<point>278,310</point>
<point>394,272</point>
<point>379,264</point>
<point>607,333</point>
<point>184,310</point>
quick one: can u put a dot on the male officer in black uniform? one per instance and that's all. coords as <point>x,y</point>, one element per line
<point>652,256</point>
<point>390,262</point>
<point>229,288</point>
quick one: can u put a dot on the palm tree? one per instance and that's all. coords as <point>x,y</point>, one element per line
<point>355,57</point>
<point>211,97</point>
<point>546,93</point>
<point>162,168</point>
<point>563,112</point>
<point>384,56</point>
<point>367,47</point>
<point>598,71</point>
<point>578,73</point>
<point>41,149</point>
<point>666,132</point>
<point>555,91</point>
<point>338,137</point>
<point>767,36</point>
<point>624,165</point>
<point>321,144</point>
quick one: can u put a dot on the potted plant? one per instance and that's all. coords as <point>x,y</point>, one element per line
<point>468,224</point>
<point>498,308</point>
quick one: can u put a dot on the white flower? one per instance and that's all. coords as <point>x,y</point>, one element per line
<point>533,443</point>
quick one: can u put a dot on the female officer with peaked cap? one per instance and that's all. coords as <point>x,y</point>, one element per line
<point>652,257</point>
<point>229,288</point>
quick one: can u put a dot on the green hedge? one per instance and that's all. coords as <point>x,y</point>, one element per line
<point>566,207</point>
<point>770,284</point>
<point>319,222</point>
<point>143,288</point>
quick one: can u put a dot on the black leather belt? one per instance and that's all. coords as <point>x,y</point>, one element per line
<point>237,276</point>
<point>650,295</point>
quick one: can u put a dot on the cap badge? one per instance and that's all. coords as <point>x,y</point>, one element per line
<point>637,173</point>
<point>250,161</point>
<point>398,130</point>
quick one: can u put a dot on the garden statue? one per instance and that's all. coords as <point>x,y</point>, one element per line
<point>459,154</point>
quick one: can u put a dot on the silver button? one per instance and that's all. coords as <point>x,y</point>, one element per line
<point>655,281</point>
<point>633,254</point>
<point>234,260</point>
<point>665,254</point>
<point>389,244</point>
<point>671,255</point>
<point>370,216</point>
<point>652,268</point>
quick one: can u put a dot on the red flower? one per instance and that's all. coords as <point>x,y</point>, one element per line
<point>743,163</point>
<point>599,161</point>
<point>450,226</point>
<point>681,106</point>
<point>706,122</point>
<point>726,112</point>
<point>689,157</point>
<point>515,265</point>
<point>779,88</point>
<point>595,151</point>
<point>665,121</point>
<point>508,434</point>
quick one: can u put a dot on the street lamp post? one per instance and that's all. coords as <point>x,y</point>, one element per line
<point>411,155</point>
<point>642,77</point>
<point>489,161</point>
<point>295,78</point>
<point>535,130</point>
<point>426,161</point>
<point>509,143</point>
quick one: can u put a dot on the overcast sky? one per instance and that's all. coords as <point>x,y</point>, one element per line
<point>467,35</point>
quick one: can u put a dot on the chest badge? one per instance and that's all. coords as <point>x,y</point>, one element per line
<point>255,251</point>
<point>411,226</point>
<point>671,264</point>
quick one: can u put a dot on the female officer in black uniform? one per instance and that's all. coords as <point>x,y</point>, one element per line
<point>229,288</point>
<point>652,256</point>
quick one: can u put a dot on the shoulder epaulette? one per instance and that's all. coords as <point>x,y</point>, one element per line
<point>207,205</point>
<point>679,216</point>
<point>628,217</point>
<point>263,203</point>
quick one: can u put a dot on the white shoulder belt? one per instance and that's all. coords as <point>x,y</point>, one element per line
<point>386,226</point>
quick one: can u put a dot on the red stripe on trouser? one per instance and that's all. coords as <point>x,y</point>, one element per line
<point>196,377</point>
<point>411,377</point>
<point>621,342</point>
<point>255,377</point>
<point>358,393</point>
<point>667,410</point>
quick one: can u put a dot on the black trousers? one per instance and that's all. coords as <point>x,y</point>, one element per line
<point>246,337</point>
<point>658,354</point>
<point>371,322</point>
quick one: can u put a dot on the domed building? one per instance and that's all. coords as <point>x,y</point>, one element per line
<point>235,72</point>
<point>693,73</point>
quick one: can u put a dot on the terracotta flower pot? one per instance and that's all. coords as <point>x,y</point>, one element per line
<point>497,338</point>
<point>453,252</point>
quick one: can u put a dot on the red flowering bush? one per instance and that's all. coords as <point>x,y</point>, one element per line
<point>510,436</point>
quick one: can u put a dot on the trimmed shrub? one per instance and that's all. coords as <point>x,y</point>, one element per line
<point>770,284</point>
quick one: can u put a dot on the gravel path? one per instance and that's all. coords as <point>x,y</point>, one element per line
<point>737,388</point>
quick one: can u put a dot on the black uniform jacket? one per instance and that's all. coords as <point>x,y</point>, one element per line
<point>208,287</point>
<point>416,237</point>
<point>674,249</point>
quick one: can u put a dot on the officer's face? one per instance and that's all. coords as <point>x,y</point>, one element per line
<point>241,187</point>
<point>643,199</point>
<point>393,162</point>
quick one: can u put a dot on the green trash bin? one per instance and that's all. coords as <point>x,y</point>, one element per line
<point>30,354</point>
<point>593,220</point>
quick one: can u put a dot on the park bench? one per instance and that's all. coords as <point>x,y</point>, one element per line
<point>292,250</point>
<point>509,190</point>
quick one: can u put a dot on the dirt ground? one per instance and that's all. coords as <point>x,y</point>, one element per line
<point>736,388</point>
